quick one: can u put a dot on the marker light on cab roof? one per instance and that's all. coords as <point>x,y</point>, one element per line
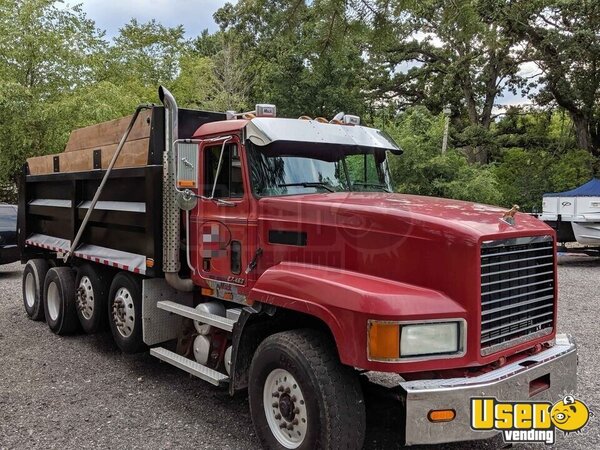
<point>264,110</point>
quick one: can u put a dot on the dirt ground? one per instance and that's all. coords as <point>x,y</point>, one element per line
<point>81,392</point>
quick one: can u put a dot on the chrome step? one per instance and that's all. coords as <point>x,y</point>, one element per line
<point>234,314</point>
<point>210,319</point>
<point>198,370</point>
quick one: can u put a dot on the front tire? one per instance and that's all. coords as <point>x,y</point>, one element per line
<point>59,301</point>
<point>125,312</point>
<point>302,397</point>
<point>34,275</point>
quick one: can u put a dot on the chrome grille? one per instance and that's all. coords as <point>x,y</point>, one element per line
<point>517,291</point>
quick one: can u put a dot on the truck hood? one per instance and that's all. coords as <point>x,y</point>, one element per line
<point>424,241</point>
<point>400,213</point>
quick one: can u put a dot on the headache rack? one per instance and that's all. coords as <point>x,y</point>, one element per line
<point>517,291</point>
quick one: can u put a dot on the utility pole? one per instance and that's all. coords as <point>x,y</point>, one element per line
<point>447,111</point>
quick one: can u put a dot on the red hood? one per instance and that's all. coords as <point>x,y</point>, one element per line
<point>356,209</point>
<point>426,242</point>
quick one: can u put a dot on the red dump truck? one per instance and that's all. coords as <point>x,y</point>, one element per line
<point>270,254</point>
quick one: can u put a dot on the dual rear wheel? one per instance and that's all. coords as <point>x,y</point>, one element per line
<point>85,299</point>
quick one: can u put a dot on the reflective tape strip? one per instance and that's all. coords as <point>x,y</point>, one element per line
<point>120,260</point>
<point>48,242</point>
<point>130,262</point>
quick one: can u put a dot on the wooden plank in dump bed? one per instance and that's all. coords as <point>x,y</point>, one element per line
<point>102,139</point>
<point>111,132</point>
<point>134,154</point>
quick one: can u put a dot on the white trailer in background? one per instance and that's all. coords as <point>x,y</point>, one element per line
<point>575,214</point>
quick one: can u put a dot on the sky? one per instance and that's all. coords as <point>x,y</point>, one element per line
<point>194,15</point>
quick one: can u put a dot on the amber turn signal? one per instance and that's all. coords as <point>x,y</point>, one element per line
<point>186,183</point>
<point>441,415</point>
<point>384,340</point>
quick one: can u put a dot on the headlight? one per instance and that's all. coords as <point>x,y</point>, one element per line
<point>393,341</point>
<point>430,339</point>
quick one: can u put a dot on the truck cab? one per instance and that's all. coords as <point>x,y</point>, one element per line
<point>290,268</point>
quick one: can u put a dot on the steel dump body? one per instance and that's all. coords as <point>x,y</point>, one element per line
<point>125,227</point>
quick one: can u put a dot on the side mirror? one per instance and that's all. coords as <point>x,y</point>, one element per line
<point>187,165</point>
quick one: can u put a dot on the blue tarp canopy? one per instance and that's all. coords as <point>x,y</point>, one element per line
<point>589,189</point>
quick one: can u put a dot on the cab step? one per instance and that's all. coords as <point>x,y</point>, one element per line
<point>191,313</point>
<point>192,367</point>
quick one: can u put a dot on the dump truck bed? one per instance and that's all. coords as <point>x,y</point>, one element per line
<point>125,228</point>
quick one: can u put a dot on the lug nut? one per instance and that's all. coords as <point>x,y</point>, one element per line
<point>275,394</point>
<point>275,405</point>
<point>295,422</point>
<point>277,416</point>
<point>290,427</point>
<point>296,410</point>
<point>288,390</point>
<point>280,389</point>
<point>293,398</point>
<point>282,425</point>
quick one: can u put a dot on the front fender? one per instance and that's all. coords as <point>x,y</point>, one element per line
<point>345,300</point>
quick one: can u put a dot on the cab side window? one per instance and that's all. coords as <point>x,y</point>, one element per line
<point>229,178</point>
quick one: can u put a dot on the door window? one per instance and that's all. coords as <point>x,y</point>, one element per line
<point>229,179</point>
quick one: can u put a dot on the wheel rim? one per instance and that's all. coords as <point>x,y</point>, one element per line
<point>85,298</point>
<point>53,300</point>
<point>285,408</point>
<point>30,290</point>
<point>123,312</point>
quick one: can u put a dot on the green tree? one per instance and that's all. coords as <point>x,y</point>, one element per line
<point>144,55</point>
<point>46,53</point>
<point>423,170</point>
<point>563,38</point>
<point>306,57</point>
<point>436,52</point>
<point>46,48</point>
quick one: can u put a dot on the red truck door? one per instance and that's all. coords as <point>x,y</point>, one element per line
<point>221,223</point>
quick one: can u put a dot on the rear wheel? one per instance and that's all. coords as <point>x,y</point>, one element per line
<point>34,275</point>
<point>92,297</point>
<point>302,397</point>
<point>59,301</point>
<point>125,312</point>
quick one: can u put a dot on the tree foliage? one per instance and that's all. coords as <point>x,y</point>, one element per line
<point>396,63</point>
<point>563,38</point>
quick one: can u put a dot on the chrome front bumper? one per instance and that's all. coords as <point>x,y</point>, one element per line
<point>508,383</point>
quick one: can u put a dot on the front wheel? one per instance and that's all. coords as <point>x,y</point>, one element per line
<point>302,397</point>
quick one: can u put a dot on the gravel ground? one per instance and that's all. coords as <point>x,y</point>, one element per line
<point>81,392</point>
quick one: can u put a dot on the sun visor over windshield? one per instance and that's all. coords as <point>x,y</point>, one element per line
<point>292,135</point>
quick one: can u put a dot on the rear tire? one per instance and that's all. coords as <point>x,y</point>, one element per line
<point>302,397</point>
<point>59,301</point>
<point>125,312</point>
<point>92,286</point>
<point>34,275</point>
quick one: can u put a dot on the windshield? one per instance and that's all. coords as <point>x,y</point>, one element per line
<point>290,171</point>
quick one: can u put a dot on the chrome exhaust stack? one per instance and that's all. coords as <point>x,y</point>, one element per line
<point>171,211</point>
